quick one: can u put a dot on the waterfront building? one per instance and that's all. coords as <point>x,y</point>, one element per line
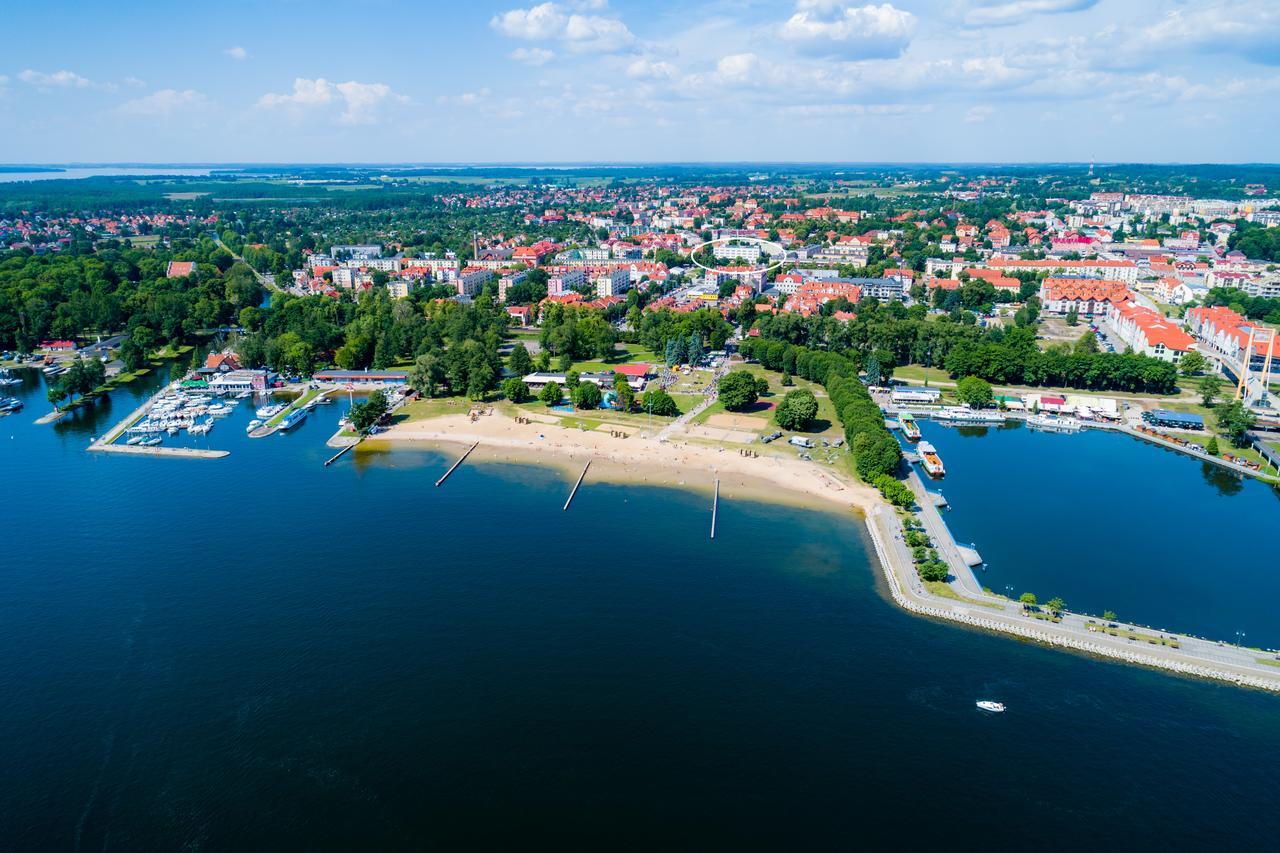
<point>236,381</point>
<point>910,395</point>
<point>362,377</point>
<point>1224,332</point>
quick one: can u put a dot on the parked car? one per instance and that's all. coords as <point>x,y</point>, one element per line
<point>773,436</point>
<point>800,441</point>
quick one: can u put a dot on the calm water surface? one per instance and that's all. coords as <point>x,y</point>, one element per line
<point>1111,523</point>
<point>261,653</point>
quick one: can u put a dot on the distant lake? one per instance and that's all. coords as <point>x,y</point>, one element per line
<point>74,173</point>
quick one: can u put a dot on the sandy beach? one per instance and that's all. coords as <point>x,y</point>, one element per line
<point>634,459</point>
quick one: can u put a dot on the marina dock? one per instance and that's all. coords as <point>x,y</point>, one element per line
<point>715,507</point>
<point>174,452</point>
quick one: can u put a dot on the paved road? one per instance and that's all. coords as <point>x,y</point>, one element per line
<point>267,281</point>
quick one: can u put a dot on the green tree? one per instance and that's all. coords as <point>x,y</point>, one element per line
<point>551,394</point>
<point>974,392</point>
<point>737,391</point>
<point>426,374</point>
<point>659,402</point>
<point>873,371</point>
<point>1192,363</point>
<point>1235,420</point>
<point>368,412</point>
<point>1028,599</point>
<point>797,410</point>
<point>515,390</point>
<point>1073,316</point>
<point>566,361</point>
<point>1056,605</point>
<point>1108,615</point>
<point>1211,446</point>
<point>519,362</point>
<point>1209,387</point>
<point>586,396</point>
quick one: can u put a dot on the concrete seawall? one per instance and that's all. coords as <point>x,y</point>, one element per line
<point>176,452</point>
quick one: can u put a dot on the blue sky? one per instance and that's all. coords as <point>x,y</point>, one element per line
<point>384,80</point>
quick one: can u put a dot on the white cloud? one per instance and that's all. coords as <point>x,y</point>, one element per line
<point>978,114</point>
<point>830,28</point>
<point>998,14</point>
<point>466,99</point>
<point>361,101</point>
<point>165,102</point>
<point>60,79</point>
<point>237,52</point>
<point>532,55</point>
<point>736,68</point>
<point>554,21</point>
<point>1251,29</point>
<point>647,69</point>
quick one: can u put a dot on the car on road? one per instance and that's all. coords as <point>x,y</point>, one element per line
<point>773,436</point>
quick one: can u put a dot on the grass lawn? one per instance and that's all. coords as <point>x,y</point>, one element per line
<point>594,417</point>
<point>426,408</point>
<point>625,354</point>
<point>942,589</point>
<point>1137,636</point>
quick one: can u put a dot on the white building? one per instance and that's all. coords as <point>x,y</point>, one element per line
<point>615,283</point>
<point>472,280</point>
<point>356,252</point>
<point>558,285</point>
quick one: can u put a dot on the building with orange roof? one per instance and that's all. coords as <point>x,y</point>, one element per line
<point>1148,332</point>
<point>1226,333</point>
<point>1086,295</point>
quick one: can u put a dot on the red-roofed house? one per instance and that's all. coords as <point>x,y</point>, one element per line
<point>1086,295</point>
<point>1148,332</point>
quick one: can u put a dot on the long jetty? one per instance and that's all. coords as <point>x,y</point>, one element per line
<point>576,486</point>
<point>715,506</point>
<point>106,443</point>
<point>455,465</point>
<point>335,457</point>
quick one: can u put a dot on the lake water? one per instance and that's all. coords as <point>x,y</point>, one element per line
<point>1111,523</point>
<point>261,653</point>
<point>75,172</point>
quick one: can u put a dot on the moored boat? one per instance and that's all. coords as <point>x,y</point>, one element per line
<point>931,461</point>
<point>910,429</point>
<point>292,419</point>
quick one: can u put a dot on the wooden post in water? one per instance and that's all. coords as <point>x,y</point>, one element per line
<point>576,485</point>
<point>452,467</point>
<point>715,505</point>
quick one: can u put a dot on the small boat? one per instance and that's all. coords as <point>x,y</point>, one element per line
<point>931,461</point>
<point>993,707</point>
<point>910,429</point>
<point>172,430</point>
<point>134,439</point>
<point>151,441</point>
<point>253,424</point>
<point>323,400</point>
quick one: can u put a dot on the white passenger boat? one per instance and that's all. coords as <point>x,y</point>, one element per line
<point>964,414</point>
<point>1054,423</point>
<point>930,460</point>
<point>993,707</point>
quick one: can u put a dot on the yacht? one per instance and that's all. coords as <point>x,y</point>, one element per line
<point>993,707</point>
<point>134,439</point>
<point>1054,423</point>
<point>253,424</point>
<point>7,378</point>
<point>151,440</point>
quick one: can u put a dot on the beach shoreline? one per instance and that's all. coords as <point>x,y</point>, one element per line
<point>636,460</point>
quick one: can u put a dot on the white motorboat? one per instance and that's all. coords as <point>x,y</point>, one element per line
<point>993,707</point>
<point>253,424</point>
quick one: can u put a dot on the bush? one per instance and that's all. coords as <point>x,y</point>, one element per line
<point>898,494</point>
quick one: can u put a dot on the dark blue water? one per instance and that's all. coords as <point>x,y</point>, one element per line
<point>261,653</point>
<point>1108,522</point>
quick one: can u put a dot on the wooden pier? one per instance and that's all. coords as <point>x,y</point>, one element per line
<point>715,506</point>
<point>455,465</point>
<point>576,485</point>
<point>335,457</point>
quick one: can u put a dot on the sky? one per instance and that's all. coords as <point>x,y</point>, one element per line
<point>383,81</point>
